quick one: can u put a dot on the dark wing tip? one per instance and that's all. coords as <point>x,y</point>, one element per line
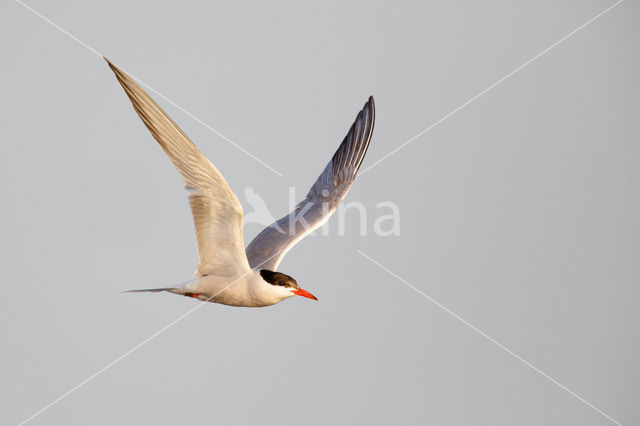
<point>356,143</point>
<point>120,74</point>
<point>113,66</point>
<point>370,103</point>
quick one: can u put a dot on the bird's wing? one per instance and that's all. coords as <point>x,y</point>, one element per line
<point>217,213</point>
<point>269,247</point>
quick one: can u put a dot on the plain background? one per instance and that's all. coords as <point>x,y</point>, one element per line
<point>520,213</point>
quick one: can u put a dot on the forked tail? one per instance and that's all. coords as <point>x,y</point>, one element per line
<point>154,290</point>
<point>179,289</point>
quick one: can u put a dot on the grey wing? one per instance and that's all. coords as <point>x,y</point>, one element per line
<point>269,247</point>
<point>217,213</point>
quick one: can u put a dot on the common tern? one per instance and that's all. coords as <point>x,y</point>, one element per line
<point>227,273</point>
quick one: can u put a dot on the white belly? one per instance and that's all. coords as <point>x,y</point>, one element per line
<point>250,290</point>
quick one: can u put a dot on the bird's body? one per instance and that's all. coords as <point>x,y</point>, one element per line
<point>227,273</point>
<point>250,290</point>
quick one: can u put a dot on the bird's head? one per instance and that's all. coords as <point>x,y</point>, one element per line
<point>284,284</point>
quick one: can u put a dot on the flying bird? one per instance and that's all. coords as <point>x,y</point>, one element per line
<point>227,273</point>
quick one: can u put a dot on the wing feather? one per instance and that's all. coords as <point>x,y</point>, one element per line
<point>217,213</point>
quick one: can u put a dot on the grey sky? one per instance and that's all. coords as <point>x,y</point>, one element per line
<point>519,213</point>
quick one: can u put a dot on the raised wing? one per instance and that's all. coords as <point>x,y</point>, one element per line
<point>217,213</point>
<point>269,247</point>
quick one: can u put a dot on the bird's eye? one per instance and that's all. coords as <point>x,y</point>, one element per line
<point>280,282</point>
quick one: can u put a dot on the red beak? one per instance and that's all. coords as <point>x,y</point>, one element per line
<point>305,293</point>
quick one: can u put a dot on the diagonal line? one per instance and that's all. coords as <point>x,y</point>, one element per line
<point>491,87</point>
<point>58,27</point>
<point>139,345</point>
<point>95,52</point>
<point>486,336</point>
<point>206,125</point>
<point>109,365</point>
